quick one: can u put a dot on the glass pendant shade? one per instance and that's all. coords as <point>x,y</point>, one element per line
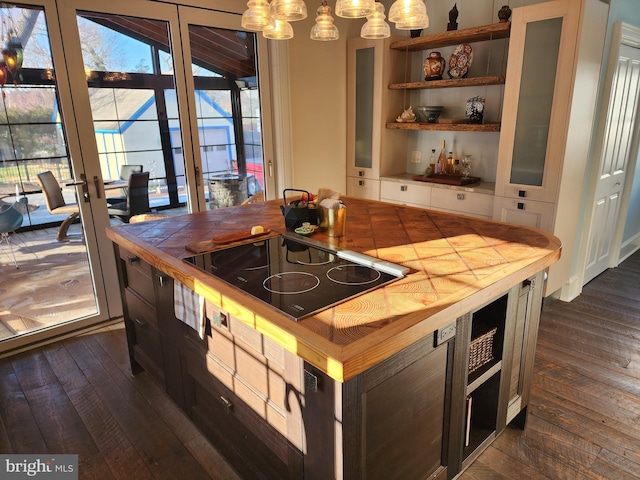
<point>324,30</point>
<point>376,27</point>
<point>354,8</point>
<point>257,16</point>
<point>414,23</point>
<point>278,30</point>
<point>407,10</point>
<point>289,10</point>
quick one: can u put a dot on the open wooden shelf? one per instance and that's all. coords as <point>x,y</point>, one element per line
<point>449,83</point>
<point>454,37</point>
<point>454,127</point>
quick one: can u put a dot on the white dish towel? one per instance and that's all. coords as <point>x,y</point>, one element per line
<point>189,307</point>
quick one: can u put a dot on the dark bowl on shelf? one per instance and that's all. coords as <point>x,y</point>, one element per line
<point>428,114</point>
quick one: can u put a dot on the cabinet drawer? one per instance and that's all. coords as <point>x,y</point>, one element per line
<point>363,188</point>
<point>462,202</point>
<point>142,319</point>
<point>139,275</point>
<point>408,192</point>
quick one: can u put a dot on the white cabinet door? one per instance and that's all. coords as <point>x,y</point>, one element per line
<point>537,100</point>
<point>363,188</point>
<point>524,212</point>
<point>372,150</point>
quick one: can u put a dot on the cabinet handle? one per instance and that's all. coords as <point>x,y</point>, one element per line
<point>520,206</point>
<point>460,196</point>
<point>361,183</point>
<point>131,259</point>
<point>140,323</point>
<point>522,193</point>
<point>161,280</point>
<point>403,188</point>
<point>361,173</point>
<point>226,404</point>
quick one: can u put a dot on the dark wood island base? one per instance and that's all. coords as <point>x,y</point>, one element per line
<point>411,380</point>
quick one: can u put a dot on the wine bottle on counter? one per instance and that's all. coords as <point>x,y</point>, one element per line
<point>442,160</point>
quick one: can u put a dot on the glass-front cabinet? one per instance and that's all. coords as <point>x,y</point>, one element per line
<point>533,135</point>
<point>372,151</point>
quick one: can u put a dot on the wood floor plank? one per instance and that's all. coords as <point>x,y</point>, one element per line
<point>118,452</point>
<point>21,427</point>
<point>162,451</point>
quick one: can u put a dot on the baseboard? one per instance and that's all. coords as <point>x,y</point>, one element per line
<point>629,247</point>
<point>571,289</point>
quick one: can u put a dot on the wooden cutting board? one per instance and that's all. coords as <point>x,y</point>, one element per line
<point>215,242</point>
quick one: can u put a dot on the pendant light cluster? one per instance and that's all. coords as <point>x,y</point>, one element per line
<point>272,19</point>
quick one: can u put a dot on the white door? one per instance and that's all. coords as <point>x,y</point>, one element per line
<point>616,149</point>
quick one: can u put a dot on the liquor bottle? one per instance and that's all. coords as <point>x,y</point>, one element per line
<point>442,160</point>
<point>450,163</point>
<point>432,163</point>
<point>456,167</point>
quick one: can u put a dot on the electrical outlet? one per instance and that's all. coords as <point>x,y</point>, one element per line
<point>445,333</point>
<point>416,156</point>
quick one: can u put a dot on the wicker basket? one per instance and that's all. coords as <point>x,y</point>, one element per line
<point>481,350</point>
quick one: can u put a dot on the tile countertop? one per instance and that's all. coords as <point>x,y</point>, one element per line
<point>480,187</point>
<point>457,264</point>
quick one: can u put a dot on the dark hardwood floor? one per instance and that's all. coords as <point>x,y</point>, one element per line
<point>78,396</point>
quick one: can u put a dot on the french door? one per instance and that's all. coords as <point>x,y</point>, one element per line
<point>155,100</point>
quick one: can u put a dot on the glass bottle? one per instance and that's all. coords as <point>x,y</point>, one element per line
<point>450,163</point>
<point>442,160</point>
<point>432,163</point>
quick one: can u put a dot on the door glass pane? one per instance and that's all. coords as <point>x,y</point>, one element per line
<point>53,285</point>
<point>542,44</point>
<point>364,107</point>
<point>133,101</point>
<point>228,112</point>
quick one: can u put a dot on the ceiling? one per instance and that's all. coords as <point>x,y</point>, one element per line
<point>227,52</point>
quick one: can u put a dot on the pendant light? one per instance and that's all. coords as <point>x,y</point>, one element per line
<point>409,14</point>
<point>278,30</point>
<point>289,10</point>
<point>414,23</point>
<point>354,8</point>
<point>376,27</point>
<point>324,30</point>
<point>257,16</point>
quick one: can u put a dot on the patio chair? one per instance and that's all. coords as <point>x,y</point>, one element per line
<point>56,204</point>
<point>137,200</point>
<point>125,173</point>
<point>10,220</point>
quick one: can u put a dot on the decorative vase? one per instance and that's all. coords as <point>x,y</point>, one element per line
<point>475,109</point>
<point>504,13</point>
<point>433,66</point>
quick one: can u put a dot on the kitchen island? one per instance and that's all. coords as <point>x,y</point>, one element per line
<point>410,380</point>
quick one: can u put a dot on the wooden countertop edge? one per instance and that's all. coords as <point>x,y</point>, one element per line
<point>340,363</point>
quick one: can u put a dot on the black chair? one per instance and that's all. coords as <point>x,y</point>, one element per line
<point>125,173</point>
<point>137,199</point>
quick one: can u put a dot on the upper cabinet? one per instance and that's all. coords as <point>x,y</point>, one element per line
<point>538,93</point>
<point>371,152</point>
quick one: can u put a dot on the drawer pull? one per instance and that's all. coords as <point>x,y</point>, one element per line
<point>226,404</point>
<point>522,193</point>
<point>131,259</point>
<point>520,206</point>
<point>140,323</point>
<point>361,173</point>
<point>403,188</point>
<point>460,196</point>
<point>361,183</point>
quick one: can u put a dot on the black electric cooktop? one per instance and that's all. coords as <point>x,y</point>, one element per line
<point>292,276</point>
